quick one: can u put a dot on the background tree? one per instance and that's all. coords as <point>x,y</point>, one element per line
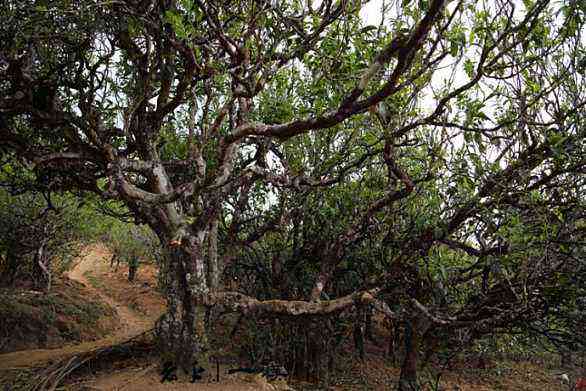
<point>32,236</point>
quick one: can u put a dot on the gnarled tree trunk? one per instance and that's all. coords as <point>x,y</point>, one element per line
<point>181,331</point>
<point>132,269</point>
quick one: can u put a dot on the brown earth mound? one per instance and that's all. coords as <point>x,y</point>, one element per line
<point>68,313</point>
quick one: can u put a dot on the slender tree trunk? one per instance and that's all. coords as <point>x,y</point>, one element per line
<point>10,270</point>
<point>131,273</point>
<point>408,378</point>
<point>393,329</point>
<point>314,352</point>
<point>43,262</point>
<point>112,260</point>
<point>431,341</point>
<point>358,334</point>
<point>566,358</point>
<point>132,269</point>
<point>368,326</point>
<point>181,330</point>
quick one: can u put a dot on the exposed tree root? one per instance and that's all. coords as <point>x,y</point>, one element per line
<point>49,378</point>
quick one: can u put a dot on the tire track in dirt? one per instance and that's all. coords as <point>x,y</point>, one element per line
<point>131,323</point>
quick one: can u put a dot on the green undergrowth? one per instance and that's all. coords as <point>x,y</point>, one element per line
<point>94,281</point>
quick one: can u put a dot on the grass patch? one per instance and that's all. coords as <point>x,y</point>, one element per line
<point>94,281</point>
<point>16,380</point>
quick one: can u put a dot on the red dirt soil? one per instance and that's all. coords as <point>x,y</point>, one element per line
<point>131,323</point>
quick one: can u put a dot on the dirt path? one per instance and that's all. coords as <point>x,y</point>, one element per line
<point>131,323</point>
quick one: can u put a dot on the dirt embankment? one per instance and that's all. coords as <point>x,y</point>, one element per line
<point>131,323</point>
<point>67,314</point>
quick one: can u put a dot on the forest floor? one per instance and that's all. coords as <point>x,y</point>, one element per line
<point>138,304</point>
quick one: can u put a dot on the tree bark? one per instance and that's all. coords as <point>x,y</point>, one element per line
<point>369,324</point>
<point>213,267</point>
<point>408,378</point>
<point>394,328</point>
<point>10,270</point>
<point>43,264</point>
<point>132,268</point>
<point>313,359</point>
<point>358,333</point>
<point>180,332</point>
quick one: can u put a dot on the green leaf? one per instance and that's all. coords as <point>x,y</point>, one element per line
<point>423,5</point>
<point>468,67</point>
<point>175,19</point>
